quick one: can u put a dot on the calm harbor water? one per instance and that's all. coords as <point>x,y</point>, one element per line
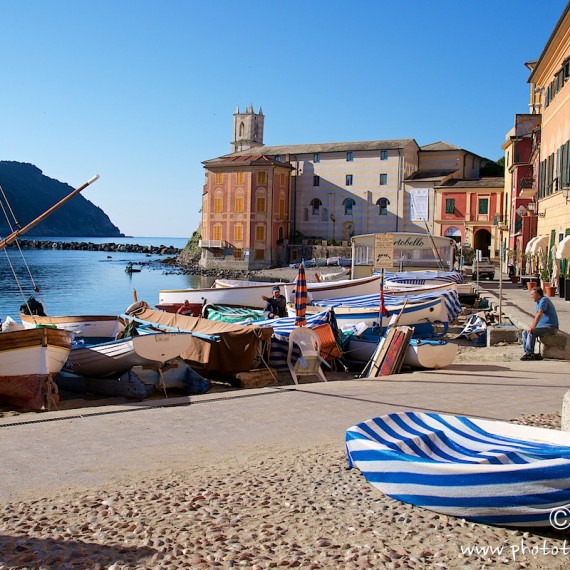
<point>87,282</point>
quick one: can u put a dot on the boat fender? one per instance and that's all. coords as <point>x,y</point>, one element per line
<point>136,308</point>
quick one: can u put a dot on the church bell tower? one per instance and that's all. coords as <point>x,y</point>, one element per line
<point>248,129</point>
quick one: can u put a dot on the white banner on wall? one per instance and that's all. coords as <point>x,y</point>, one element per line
<point>419,204</point>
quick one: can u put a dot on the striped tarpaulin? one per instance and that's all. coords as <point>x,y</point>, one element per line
<point>450,299</point>
<point>489,472</point>
<point>281,330</point>
<point>423,277</point>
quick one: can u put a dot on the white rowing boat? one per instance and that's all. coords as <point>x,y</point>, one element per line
<point>249,294</point>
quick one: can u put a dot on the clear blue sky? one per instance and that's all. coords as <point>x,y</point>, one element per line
<point>143,91</point>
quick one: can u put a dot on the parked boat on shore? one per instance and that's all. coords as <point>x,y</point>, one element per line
<point>86,326</point>
<point>490,472</point>
<point>248,294</point>
<point>116,356</point>
<point>29,360</point>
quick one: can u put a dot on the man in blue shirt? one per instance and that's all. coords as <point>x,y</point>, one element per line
<point>545,323</point>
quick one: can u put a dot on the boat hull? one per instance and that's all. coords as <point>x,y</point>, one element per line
<point>29,359</point>
<point>117,356</point>
<point>86,326</point>
<point>432,310</point>
<point>421,353</point>
<point>249,295</point>
<point>486,471</point>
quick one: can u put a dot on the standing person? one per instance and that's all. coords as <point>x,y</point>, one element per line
<point>545,323</point>
<point>276,305</point>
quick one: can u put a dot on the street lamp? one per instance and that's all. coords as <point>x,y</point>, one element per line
<point>566,193</point>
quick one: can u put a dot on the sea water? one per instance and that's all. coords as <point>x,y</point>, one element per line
<point>73,282</point>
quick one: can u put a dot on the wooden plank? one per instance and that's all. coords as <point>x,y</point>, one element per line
<point>395,354</point>
<point>380,353</point>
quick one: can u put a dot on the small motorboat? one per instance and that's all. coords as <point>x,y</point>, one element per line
<point>486,471</point>
<point>131,269</point>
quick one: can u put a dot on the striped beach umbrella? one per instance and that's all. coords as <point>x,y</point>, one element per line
<point>301,297</point>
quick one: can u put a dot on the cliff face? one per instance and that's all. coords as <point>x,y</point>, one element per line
<point>29,194</point>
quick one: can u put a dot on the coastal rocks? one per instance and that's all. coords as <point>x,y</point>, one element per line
<point>88,246</point>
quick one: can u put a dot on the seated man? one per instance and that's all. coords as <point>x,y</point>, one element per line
<point>545,323</point>
<point>276,305</point>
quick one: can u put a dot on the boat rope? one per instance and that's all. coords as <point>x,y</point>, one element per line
<point>9,215</point>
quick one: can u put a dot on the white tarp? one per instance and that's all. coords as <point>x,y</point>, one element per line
<point>563,249</point>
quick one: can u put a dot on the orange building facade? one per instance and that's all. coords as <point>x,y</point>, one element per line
<point>245,212</point>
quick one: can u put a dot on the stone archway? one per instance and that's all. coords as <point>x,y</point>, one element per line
<point>482,241</point>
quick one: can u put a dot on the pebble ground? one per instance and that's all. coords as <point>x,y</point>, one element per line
<point>284,509</point>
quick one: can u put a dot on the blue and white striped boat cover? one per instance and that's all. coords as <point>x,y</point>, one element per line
<point>281,330</point>
<point>423,277</point>
<point>450,299</point>
<point>456,466</point>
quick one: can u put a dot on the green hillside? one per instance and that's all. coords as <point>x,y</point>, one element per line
<point>29,194</point>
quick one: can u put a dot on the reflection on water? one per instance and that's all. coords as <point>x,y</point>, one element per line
<point>84,282</point>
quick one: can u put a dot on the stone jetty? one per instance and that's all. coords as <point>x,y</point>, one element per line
<point>88,246</point>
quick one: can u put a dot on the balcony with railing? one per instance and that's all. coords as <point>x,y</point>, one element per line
<point>527,187</point>
<point>212,243</point>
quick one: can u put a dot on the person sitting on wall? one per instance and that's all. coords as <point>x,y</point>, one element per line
<point>276,305</point>
<point>545,323</point>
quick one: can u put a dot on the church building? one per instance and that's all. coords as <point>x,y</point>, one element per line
<point>259,201</point>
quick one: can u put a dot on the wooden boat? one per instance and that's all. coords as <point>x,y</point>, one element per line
<point>86,326</point>
<point>117,356</point>
<point>29,359</point>
<point>248,294</point>
<point>139,381</point>
<point>431,310</point>
<point>486,471</point>
<point>428,353</point>
<point>239,346</point>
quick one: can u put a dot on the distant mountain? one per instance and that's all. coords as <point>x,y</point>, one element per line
<point>29,194</point>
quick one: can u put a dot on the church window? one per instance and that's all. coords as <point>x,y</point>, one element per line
<point>315,206</point>
<point>382,204</point>
<point>260,204</point>
<point>348,203</point>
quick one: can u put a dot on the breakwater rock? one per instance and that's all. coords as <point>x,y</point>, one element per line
<point>88,246</point>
